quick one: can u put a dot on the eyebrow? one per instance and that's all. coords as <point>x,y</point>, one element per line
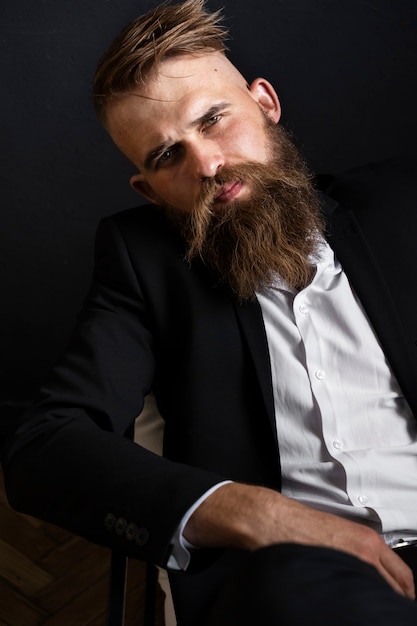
<point>213,110</point>
<point>155,152</point>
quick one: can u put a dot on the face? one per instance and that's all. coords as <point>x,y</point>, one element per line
<point>196,116</point>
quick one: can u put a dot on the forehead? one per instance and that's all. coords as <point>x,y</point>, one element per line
<point>175,85</point>
<point>176,76</point>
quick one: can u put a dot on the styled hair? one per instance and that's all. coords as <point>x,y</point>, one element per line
<point>166,31</point>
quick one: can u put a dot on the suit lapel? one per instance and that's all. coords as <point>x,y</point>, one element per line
<point>366,278</point>
<point>249,316</point>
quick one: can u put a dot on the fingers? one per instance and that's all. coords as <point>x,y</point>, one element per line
<point>397,573</point>
<point>367,545</point>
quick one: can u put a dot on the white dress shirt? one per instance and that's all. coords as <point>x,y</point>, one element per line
<point>347,437</point>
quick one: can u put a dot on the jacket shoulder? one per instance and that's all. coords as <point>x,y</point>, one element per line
<point>145,232</point>
<point>146,218</point>
<point>383,184</point>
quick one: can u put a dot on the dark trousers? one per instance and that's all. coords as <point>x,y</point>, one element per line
<point>294,585</point>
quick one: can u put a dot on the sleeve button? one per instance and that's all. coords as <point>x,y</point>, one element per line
<point>109,521</point>
<point>132,532</point>
<point>142,536</point>
<point>120,526</point>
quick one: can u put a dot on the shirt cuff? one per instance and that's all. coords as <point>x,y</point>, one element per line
<point>180,556</point>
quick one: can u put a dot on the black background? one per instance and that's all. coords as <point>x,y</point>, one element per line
<point>346,74</point>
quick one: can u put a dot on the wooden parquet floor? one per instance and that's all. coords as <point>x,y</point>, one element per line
<point>49,577</point>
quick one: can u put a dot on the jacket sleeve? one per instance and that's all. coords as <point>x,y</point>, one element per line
<point>68,461</point>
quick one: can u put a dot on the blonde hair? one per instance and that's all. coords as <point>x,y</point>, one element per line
<point>166,31</point>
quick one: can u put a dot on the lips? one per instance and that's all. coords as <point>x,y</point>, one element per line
<point>229,191</point>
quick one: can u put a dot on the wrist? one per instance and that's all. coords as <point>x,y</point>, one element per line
<point>234,516</point>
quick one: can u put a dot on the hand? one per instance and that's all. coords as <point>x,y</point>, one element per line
<point>249,517</point>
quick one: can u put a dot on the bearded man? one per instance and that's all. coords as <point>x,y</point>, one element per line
<point>277,334</point>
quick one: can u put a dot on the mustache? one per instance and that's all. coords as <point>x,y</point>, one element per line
<point>260,177</point>
<point>211,188</point>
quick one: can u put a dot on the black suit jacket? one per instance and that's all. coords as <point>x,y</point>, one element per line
<point>151,321</point>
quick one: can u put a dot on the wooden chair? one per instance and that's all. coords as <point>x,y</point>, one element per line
<point>117,592</point>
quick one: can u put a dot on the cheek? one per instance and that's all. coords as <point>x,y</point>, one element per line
<point>172,190</point>
<point>248,142</point>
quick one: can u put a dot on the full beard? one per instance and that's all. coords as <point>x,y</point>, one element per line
<point>274,232</point>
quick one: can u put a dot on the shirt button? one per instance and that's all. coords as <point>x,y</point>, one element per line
<point>338,444</point>
<point>304,310</point>
<point>320,375</point>
<point>363,500</point>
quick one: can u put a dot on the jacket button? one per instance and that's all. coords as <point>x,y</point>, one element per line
<point>109,521</point>
<point>132,532</point>
<point>142,536</point>
<point>120,526</point>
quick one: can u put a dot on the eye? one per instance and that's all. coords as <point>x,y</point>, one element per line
<point>213,120</point>
<point>167,156</point>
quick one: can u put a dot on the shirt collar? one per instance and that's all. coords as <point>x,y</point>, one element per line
<point>322,260</point>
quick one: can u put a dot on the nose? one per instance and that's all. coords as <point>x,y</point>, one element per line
<point>205,158</point>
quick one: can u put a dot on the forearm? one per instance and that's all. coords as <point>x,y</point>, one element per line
<point>251,517</point>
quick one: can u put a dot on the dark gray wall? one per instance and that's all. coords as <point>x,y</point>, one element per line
<point>346,74</point>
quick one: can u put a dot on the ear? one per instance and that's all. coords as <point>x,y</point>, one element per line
<point>139,184</point>
<point>265,95</point>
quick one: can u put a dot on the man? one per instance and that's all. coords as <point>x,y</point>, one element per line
<point>284,368</point>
